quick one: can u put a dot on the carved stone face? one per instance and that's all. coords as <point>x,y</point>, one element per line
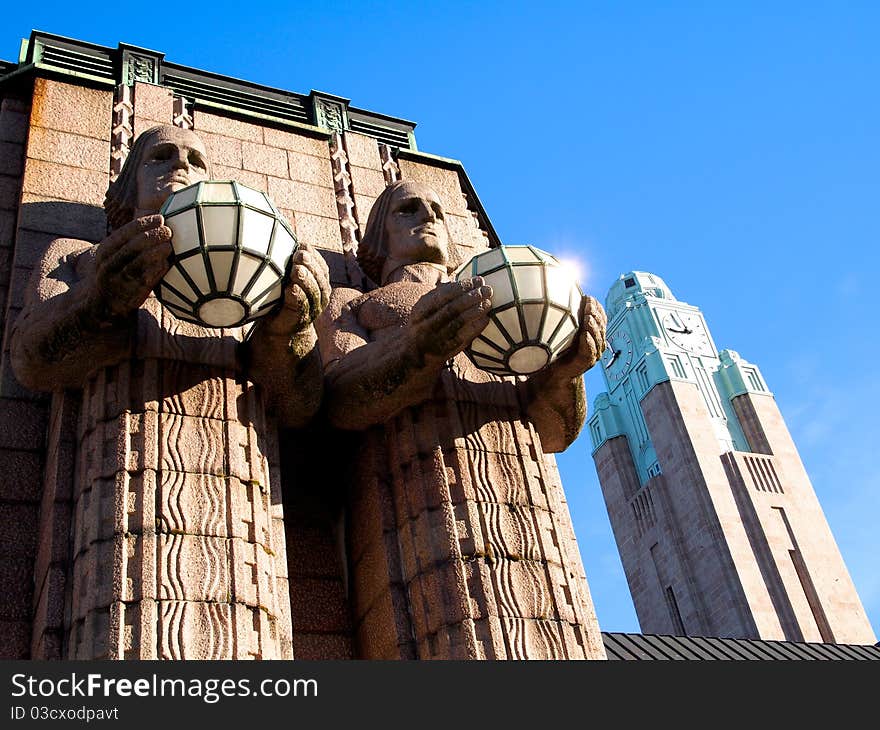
<point>173,159</point>
<point>415,227</point>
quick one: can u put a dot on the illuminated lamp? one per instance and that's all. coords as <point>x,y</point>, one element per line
<point>231,251</point>
<point>535,309</point>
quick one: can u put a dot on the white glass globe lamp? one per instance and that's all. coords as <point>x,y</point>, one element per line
<point>535,309</point>
<point>231,251</point>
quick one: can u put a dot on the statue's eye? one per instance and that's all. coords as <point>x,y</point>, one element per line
<point>409,208</point>
<point>160,154</point>
<point>195,159</point>
<point>438,210</point>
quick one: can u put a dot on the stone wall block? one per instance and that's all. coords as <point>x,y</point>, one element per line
<point>10,189</point>
<point>376,637</point>
<point>64,148</point>
<point>16,578</point>
<point>54,536</point>
<point>41,220</point>
<point>192,504</point>
<point>23,425</point>
<point>193,568</point>
<point>264,159</point>
<point>252,576</point>
<point>488,483</point>
<point>363,151</point>
<point>141,567</point>
<point>310,169</point>
<point>93,585</point>
<point>530,639</point>
<point>63,182</point>
<point>477,573</point>
<point>513,531</point>
<point>7,229</point>
<point>20,473</point>
<point>314,647</point>
<point>185,394</point>
<point>191,444</point>
<point>255,180</point>
<point>445,182</point>
<point>319,231</point>
<point>370,577</point>
<point>295,141</point>
<point>303,198</point>
<point>75,109</point>
<point>15,639</point>
<point>367,185</point>
<point>318,606</point>
<point>152,105</point>
<point>49,611</point>
<point>225,151</point>
<point>195,630</point>
<point>14,120</point>
<point>376,515</point>
<point>11,158</point>
<point>226,127</point>
<point>311,552</point>
<point>439,598</point>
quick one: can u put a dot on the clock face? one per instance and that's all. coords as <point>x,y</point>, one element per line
<point>688,332</point>
<point>617,358</point>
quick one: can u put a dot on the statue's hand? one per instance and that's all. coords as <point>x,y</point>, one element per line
<point>129,263</point>
<point>305,295</point>
<point>589,343</point>
<point>445,320</point>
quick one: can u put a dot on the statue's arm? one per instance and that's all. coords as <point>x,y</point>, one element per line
<point>283,355</point>
<point>76,312</point>
<point>367,382</point>
<point>64,328</point>
<point>556,398</point>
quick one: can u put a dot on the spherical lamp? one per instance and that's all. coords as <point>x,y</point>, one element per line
<point>535,309</point>
<point>231,250</point>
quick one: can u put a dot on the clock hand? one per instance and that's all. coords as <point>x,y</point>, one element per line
<point>612,359</point>
<point>685,331</point>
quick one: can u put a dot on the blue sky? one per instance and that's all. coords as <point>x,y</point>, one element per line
<point>732,149</point>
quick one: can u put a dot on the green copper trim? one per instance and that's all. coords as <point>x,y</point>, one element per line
<point>736,377</point>
<point>318,114</point>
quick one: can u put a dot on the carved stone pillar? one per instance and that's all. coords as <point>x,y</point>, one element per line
<point>461,544</point>
<point>173,547</point>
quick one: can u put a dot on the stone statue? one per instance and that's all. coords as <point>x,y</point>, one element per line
<point>174,554</point>
<point>460,543</point>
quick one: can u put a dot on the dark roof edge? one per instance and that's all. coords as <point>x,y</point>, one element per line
<point>629,646</point>
<point>317,114</point>
<point>90,64</point>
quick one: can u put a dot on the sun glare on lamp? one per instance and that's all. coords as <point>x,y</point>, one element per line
<point>535,309</point>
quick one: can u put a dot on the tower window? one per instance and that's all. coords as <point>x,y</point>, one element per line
<point>629,283</point>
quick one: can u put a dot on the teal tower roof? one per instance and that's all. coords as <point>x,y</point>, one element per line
<point>653,338</point>
<point>634,282</point>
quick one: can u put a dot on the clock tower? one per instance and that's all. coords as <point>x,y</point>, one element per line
<point>718,527</point>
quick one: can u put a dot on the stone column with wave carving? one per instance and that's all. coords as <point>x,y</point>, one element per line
<point>173,550</point>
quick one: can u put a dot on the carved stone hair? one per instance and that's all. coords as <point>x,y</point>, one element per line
<point>372,251</point>
<point>121,199</point>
